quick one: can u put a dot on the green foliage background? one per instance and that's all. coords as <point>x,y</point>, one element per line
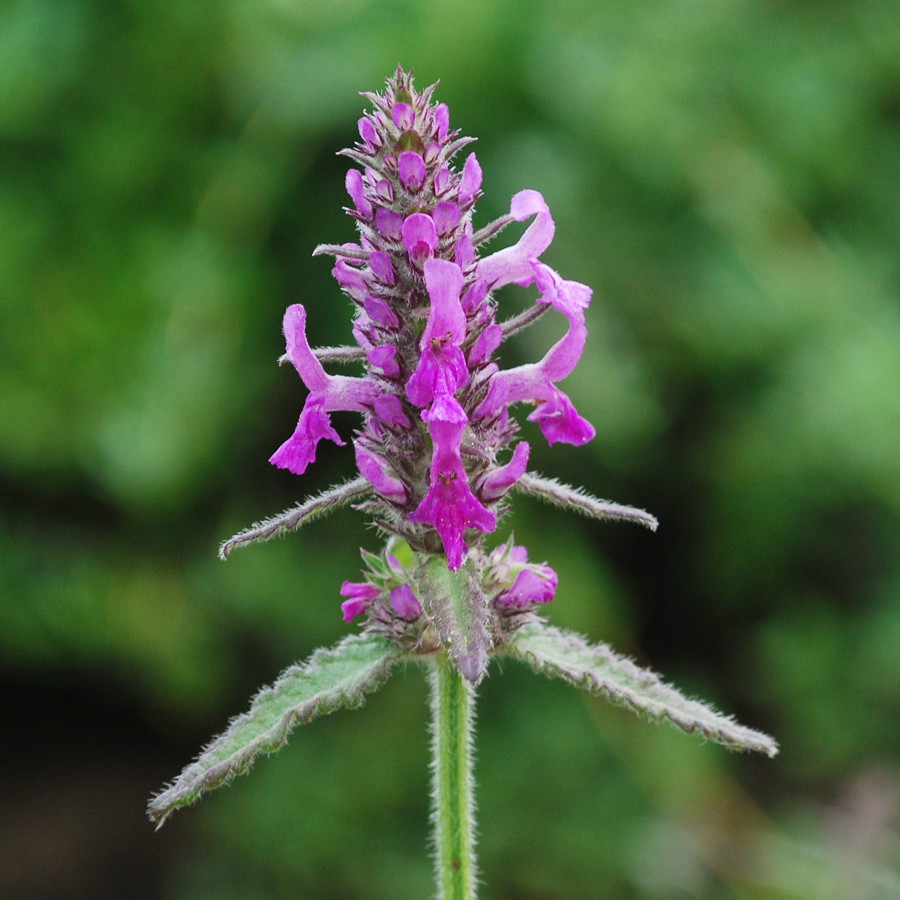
<point>724,173</point>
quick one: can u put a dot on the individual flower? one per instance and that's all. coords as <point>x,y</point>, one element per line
<point>404,602</point>
<point>516,583</point>
<point>530,587</point>
<point>450,507</point>
<point>327,394</point>
<point>360,594</point>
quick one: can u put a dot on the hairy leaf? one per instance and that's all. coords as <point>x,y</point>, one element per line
<point>595,667</point>
<point>456,603</point>
<point>579,500</point>
<point>330,679</point>
<point>293,519</point>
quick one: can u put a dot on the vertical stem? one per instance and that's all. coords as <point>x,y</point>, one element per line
<point>452,788</point>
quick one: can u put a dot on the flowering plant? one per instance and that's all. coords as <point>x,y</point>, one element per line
<point>438,455</point>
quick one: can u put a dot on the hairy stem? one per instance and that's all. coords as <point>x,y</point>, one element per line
<point>452,790</point>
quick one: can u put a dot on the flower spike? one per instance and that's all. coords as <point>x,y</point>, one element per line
<point>434,403</point>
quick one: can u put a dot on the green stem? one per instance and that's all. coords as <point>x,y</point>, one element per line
<point>452,790</point>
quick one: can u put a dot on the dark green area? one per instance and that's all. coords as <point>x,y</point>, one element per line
<point>725,175</point>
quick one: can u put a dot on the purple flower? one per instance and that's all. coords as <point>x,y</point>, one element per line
<point>535,381</point>
<point>360,594</point>
<point>500,479</point>
<point>522,584</point>
<point>389,409</point>
<point>436,443</point>
<point>470,183</point>
<point>419,237</point>
<point>513,264</point>
<point>450,506</point>
<point>383,358</point>
<point>530,587</point>
<point>404,602</point>
<point>412,170</point>
<point>376,471</point>
<point>327,394</point>
<point>442,368</point>
<point>354,184</point>
<point>446,216</point>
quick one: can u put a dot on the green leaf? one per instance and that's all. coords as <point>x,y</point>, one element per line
<point>329,680</point>
<point>579,500</point>
<point>456,604</point>
<point>597,668</point>
<point>295,518</point>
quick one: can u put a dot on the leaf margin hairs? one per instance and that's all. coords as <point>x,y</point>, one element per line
<point>561,653</point>
<point>229,754</point>
<point>568,497</point>
<point>297,516</point>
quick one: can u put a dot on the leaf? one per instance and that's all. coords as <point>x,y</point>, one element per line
<point>581,501</point>
<point>295,518</point>
<point>597,668</point>
<point>329,680</point>
<point>456,604</point>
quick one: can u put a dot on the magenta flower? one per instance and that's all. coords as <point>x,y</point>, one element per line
<point>327,394</point>
<point>437,444</point>
<point>450,507</point>
<point>404,602</point>
<point>533,585</point>
<point>519,584</point>
<point>442,368</point>
<point>360,594</point>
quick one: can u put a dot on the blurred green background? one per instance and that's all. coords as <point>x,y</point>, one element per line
<point>724,173</point>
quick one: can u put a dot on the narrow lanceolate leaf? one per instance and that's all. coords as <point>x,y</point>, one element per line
<point>329,680</point>
<point>298,516</point>
<point>576,499</point>
<point>457,605</point>
<point>597,668</point>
